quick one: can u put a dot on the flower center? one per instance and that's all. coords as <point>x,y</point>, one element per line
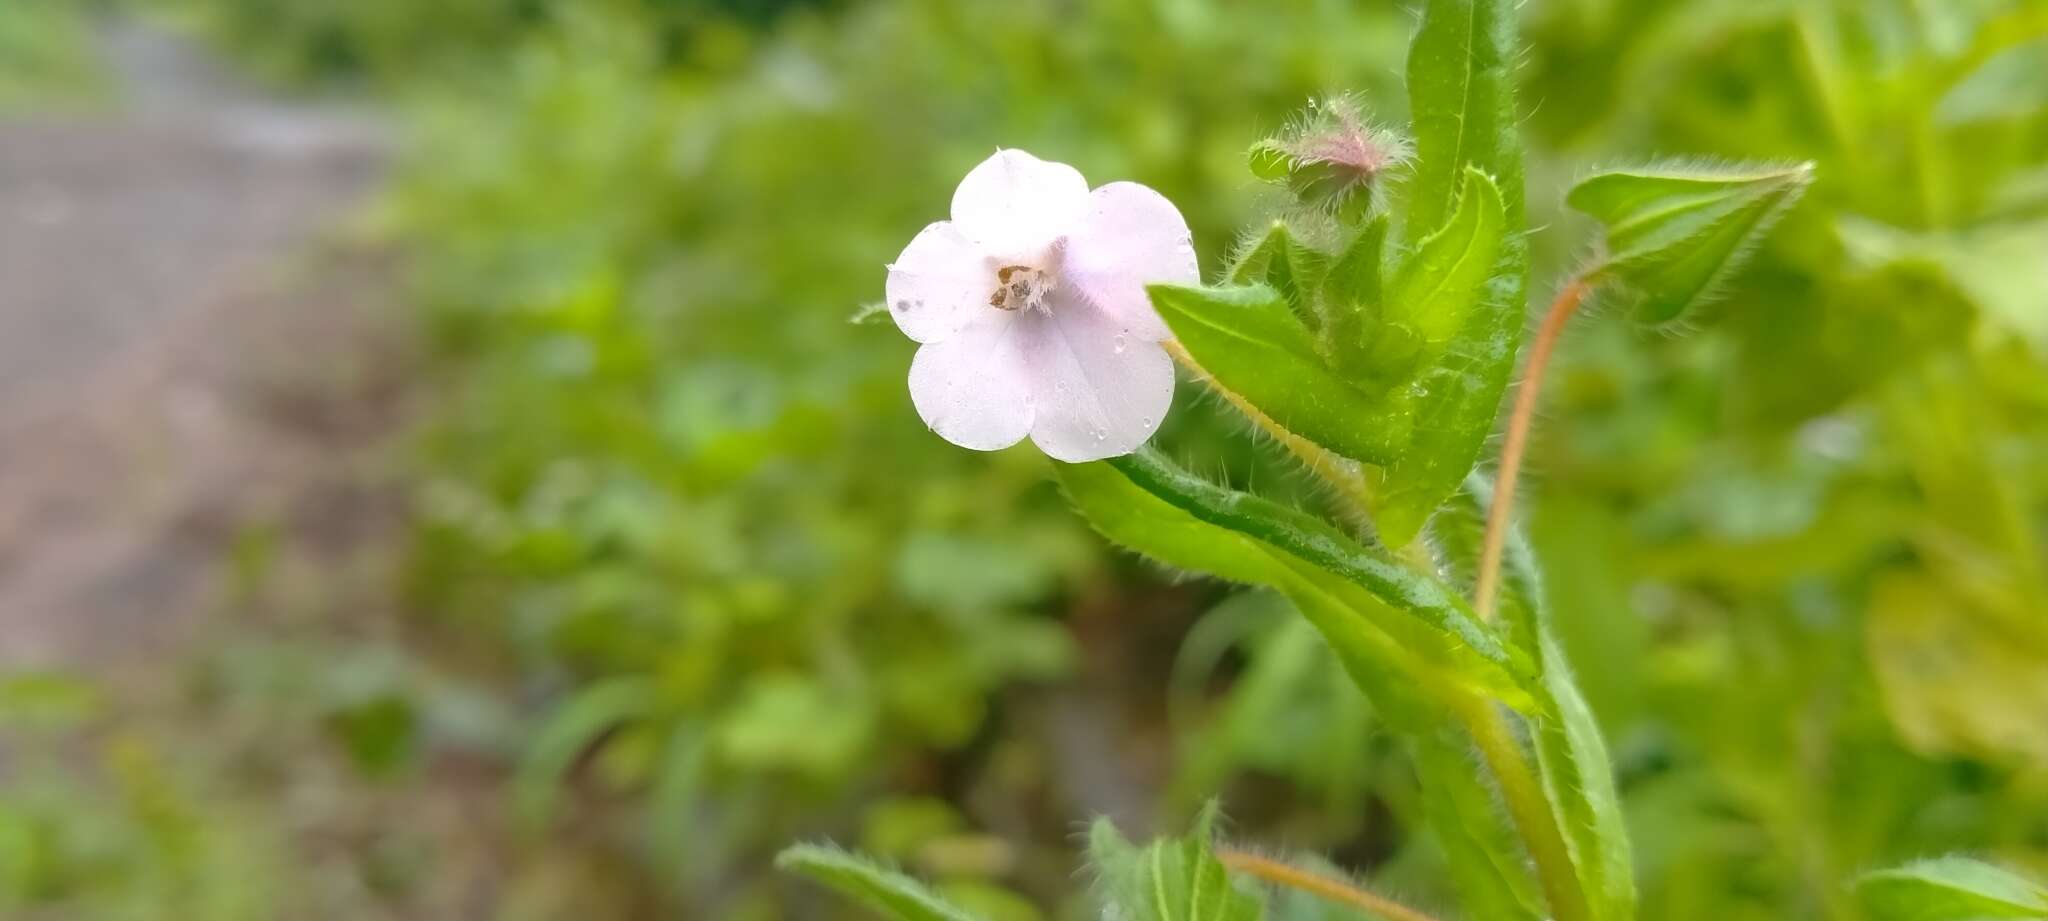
<point>1022,287</point>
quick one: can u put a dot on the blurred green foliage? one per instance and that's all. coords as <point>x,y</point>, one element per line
<point>46,55</point>
<point>676,511</point>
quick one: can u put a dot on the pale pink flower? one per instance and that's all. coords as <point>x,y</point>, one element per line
<point>1031,307</point>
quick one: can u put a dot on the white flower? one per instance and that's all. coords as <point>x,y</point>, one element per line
<point>1030,304</point>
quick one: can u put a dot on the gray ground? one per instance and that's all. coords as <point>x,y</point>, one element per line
<point>172,342</point>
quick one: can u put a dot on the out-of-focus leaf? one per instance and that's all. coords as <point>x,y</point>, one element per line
<point>892,894</point>
<point>963,573</point>
<point>1461,94</point>
<point>987,900</point>
<point>1439,286</point>
<point>379,733</point>
<point>1998,266</point>
<point>1953,680</point>
<point>1675,233</point>
<point>43,699</point>
<point>1255,345</point>
<point>675,797</point>
<point>792,722</point>
<point>568,733</point>
<point>1950,889</point>
<point>1172,879</point>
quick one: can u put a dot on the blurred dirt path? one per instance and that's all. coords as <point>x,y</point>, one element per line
<point>176,354</point>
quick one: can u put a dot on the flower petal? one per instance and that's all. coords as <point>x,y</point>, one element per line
<point>935,286</point>
<point>1102,390</point>
<point>973,388</point>
<point>1015,205</point>
<point>1131,237</point>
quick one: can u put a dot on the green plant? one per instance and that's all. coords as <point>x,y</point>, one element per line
<point>1385,392</point>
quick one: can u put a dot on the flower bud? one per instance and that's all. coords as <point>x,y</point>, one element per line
<point>1331,158</point>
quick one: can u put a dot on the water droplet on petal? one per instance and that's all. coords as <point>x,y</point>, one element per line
<point>1118,343</point>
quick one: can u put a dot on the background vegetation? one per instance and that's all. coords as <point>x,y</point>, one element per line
<point>684,578</point>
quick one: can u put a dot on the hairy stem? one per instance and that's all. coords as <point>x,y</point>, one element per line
<point>1528,808</point>
<point>1343,893</point>
<point>1342,473</point>
<point>1519,419</point>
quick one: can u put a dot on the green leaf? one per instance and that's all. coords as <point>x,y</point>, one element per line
<point>1176,879</point>
<point>1675,233</point>
<point>1578,779</point>
<point>1461,91</point>
<point>570,731</point>
<point>1142,522</point>
<point>1351,298</point>
<point>1440,285</point>
<point>1577,775</point>
<point>1423,618</point>
<point>1950,889</point>
<point>1257,347</point>
<point>1485,856</point>
<point>1289,267</point>
<point>886,891</point>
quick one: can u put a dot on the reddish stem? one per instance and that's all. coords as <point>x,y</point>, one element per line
<point>1497,516</point>
<point>1338,891</point>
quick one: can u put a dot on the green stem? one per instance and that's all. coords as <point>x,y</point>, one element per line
<point>1528,808</point>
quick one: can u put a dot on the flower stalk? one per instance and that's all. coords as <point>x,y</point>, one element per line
<point>1486,590</point>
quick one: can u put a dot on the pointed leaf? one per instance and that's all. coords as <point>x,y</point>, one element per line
<point>1255,345</point>
<point>1486,860</point>
<point>1288,266</point>
<point>1950,889</point>
<point>1146,524</point>
<point>1420,616</point>
<point>886,891</point>
<point>1441,284</point>
<point>1351,299</point>
<point>1174,879</point>
<point>1485,856</point>
<point>1577,775</point>
<point>1676,233</point>
<point>1461,91</point>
